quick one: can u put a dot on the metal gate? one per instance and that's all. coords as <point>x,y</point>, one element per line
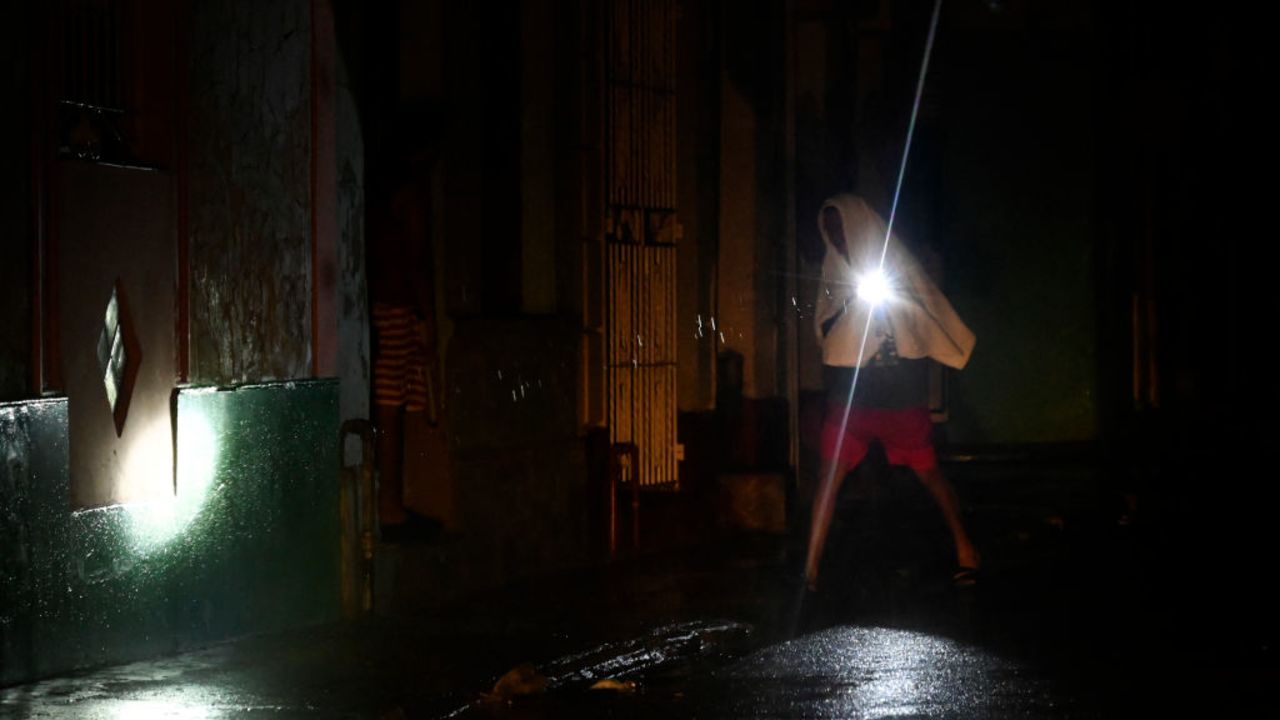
<point>641,232</point>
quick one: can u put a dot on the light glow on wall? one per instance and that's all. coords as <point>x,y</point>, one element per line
<point>156,522</point>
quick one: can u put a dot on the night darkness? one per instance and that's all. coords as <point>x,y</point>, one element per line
<point>418,358</point>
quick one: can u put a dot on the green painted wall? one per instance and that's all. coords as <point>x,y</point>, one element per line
<point>1019,236</point>
<point>249,543</point>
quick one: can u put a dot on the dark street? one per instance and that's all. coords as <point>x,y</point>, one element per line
<point>409,359</point>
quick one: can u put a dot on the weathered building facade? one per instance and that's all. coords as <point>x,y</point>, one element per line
<point>186,263</point>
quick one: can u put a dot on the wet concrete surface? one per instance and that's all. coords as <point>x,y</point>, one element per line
<point>1067,621</point>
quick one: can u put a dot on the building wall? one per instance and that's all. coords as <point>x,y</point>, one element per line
<point>822,138</point>
<point>115,238</point>
<point>519,460</point>
<point>753,193</point>
<point>480,158</point>
<point>224,557</point>
<point>1000,191</point>
<point>697,158</point>
<point>246,536</point>
<point>249,160</point>
<point>538,158</point>
<point>1018,235</point>
<point>512,363</point>
<point>354,371</point>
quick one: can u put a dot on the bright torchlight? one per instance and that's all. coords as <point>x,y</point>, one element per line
<point>874,288</point>
<point>157,521</point>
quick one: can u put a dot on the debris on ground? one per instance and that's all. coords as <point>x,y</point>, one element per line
<point>521,681</point>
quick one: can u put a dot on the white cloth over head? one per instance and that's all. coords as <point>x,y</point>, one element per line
<point>918,316</point>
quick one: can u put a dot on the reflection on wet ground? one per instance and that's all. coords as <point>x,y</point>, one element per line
<point>1062,624</point>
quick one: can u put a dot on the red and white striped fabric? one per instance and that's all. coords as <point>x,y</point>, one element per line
<point>400,358</point>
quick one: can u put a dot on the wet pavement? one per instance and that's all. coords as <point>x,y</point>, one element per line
<point>1065,622</point>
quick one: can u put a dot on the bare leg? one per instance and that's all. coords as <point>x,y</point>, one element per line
<point>945,495</point>
<point>824,505</point>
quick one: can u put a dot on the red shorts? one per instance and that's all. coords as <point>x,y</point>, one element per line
<point>907,435</point>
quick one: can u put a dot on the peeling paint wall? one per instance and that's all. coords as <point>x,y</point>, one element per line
<point>516,462</point>
<point>250,164</point>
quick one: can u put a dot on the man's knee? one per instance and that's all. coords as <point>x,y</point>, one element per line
<point>930,475</point>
